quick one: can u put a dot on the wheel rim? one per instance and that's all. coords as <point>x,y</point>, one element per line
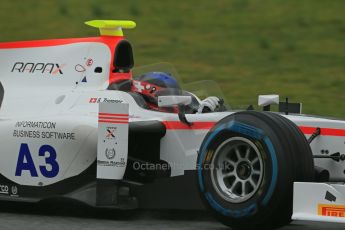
<point>237,170</point>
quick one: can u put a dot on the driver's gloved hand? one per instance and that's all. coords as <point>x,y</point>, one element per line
<point>209,105</point>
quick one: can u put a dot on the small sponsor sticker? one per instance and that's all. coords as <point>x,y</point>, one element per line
<point>121,163</point>
<point>89,62</point>
<point>97,100</point>
<point>331,210</point>
<point>14,190</point>
<point>8,190</point>
<point>93,100</point>
<point>110,133</point>
<point>3,189</point>
<point>110,153</point>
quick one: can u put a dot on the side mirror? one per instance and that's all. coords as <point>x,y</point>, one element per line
<point>267,100</point>
<point>170,101</point>
<point>180,101</point>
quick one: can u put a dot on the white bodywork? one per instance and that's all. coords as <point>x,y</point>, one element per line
<point>52,117</point>
<point>171,101</point>
<point>265,100</point>
<point>112,148</point>
<point>319,202</point>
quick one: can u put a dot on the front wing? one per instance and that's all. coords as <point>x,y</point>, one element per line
<point>319,202</point>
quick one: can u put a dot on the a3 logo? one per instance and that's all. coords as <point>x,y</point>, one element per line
<point>26,163</point>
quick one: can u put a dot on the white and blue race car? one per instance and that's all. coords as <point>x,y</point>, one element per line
<point>75,125</point>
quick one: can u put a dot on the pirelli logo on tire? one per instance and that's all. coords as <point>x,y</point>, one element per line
<point>331,210</point>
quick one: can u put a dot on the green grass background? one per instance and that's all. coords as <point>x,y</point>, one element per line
<point>295,48</point>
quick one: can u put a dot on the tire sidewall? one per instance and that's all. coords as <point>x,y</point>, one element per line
<point>261,202</point>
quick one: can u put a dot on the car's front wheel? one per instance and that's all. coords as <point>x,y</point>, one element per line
<point>246,168</point>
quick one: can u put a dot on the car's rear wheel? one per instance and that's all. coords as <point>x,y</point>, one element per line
<point>246,168</point>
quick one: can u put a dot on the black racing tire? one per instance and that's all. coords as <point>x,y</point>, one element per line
<point>245,200</point>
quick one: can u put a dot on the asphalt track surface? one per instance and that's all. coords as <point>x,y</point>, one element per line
<point>70,216</point>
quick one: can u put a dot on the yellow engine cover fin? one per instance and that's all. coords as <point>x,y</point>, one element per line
<point>111,27</point>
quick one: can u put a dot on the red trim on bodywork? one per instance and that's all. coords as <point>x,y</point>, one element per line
<point>113,118</point>
<point>114,114</point>
<point>206,125</point>
<point>324,131</point>
<point>110,41</point>
<point>113,121</point>
<point>119,77</point>
<point>177,125</point>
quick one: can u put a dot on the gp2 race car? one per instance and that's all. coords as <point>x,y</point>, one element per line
<point>70,130</point>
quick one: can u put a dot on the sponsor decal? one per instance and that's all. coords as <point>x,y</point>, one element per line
<point>43,68</point>
<point>81,68</point>
<point>89,62</point>
<point>14,190</point>
<point>93,100</point>
<point>99,100</point>
<point>9,190</point>
<point>331,210</point>
<point>36,124</point>
<point>25,163</point>
<point>58,135</point>
<point>120,163</point>
<point>26,134</point>
<point>110,153</point>
<point>43,135</point>
<point>3,189</point>
<point>110,134</point>
<point>28,129</point>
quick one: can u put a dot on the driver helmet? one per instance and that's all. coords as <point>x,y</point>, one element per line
<point>150,83</point>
